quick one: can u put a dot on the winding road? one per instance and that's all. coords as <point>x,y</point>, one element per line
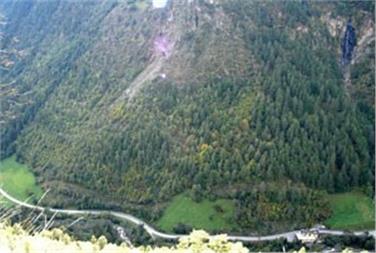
<point>290,236</point>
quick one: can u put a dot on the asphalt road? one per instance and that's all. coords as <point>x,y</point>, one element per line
<point>290,236</point>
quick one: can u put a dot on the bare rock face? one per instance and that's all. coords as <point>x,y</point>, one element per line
<point>335,24</point>
<point>366,36</point>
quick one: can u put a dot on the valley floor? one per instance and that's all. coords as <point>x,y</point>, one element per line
<point>350,211</point>
<point>210,215</point>
<point>18,180</point>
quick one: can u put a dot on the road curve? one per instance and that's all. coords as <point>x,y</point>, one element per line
<point>290,236</point>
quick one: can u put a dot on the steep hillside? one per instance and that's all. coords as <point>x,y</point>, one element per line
<point>244,100</point>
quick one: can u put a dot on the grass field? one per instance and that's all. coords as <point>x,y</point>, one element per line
<point>351,210</point>
<point>202,215</point>
<point>17,179</point>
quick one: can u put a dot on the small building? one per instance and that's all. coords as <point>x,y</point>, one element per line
<point>306,236</point>
<point>318,227</point>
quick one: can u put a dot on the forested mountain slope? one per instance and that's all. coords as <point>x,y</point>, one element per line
<point>120,103</point>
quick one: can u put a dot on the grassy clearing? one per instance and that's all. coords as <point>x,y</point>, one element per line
<point>203,215</point>
<point>17,179</point>
<point>352,210</point>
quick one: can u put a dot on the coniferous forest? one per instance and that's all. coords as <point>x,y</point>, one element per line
<point>267,103</point>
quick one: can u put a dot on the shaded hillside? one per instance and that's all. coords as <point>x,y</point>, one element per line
<point>235,99</point>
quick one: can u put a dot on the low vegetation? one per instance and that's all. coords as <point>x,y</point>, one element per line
<point>15,239</point>
<point>18,180</point>
<point>352,210</point>
<point>209,215</point>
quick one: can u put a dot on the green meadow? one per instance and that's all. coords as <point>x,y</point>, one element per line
<point>208,215</point>
<point>18,180</point>
<point>351,210</point>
